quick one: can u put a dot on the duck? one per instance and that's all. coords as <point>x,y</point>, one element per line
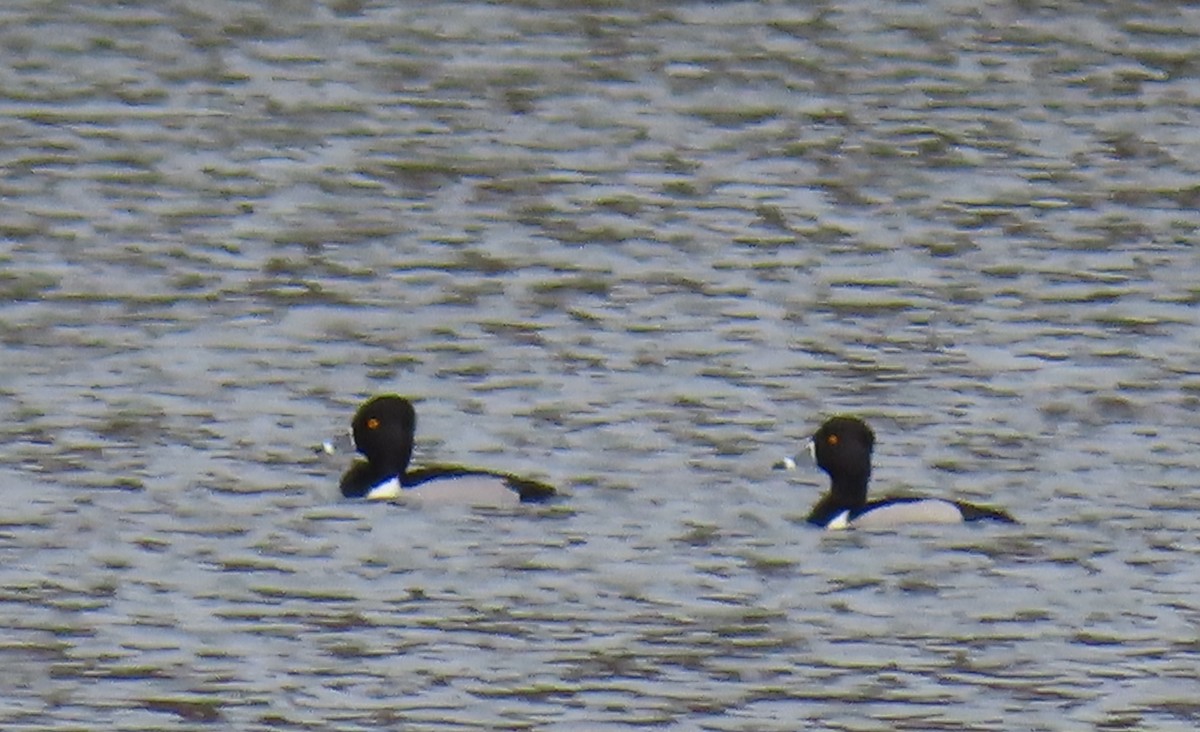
<point>383,428</point>
<point>842,448</point>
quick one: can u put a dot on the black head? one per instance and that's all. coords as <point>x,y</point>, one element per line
<point>843,448</point>
<point>383,432</point>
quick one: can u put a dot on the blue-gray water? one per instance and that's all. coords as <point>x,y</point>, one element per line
<point>637,250</point>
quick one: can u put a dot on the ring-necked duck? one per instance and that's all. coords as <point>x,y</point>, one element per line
<point>842,448</point>
<point>383,432</point>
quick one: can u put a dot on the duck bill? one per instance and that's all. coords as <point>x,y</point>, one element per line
<point>337,444</point>
<point>807,457</point>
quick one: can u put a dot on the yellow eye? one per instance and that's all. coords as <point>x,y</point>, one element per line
<point>372,424</point>
<point>832,440</point>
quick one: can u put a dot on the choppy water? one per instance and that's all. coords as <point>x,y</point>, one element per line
<point>637,250</point>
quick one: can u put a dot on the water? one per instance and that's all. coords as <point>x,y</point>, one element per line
<point>641,253</point>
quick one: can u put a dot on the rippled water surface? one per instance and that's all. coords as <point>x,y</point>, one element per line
<point>638,250</point>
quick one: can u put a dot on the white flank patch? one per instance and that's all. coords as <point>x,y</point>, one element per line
<point>385,491</point>
<point>839,522</point>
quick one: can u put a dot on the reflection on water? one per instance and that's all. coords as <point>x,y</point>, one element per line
<point>639,253</point>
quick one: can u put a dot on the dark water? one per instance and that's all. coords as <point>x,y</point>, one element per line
<point>639,251</point>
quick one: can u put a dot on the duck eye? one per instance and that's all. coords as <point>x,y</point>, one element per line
<point>832,440</point>
<point>372,423</point>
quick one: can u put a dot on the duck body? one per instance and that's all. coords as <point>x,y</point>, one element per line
<point>842,448</point>
<point>901,510</point>
<point>383,430</point>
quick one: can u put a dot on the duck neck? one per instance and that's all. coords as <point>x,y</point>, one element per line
<point>392,462</point>
<point>391,468</point>
<point>849,490</point>
<point>844,495</point>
